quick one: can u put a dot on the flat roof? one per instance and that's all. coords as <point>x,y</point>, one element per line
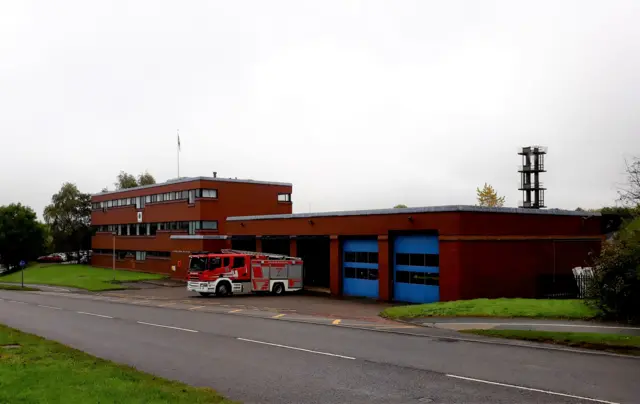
<point>427,209</point>
<point>190,179</point>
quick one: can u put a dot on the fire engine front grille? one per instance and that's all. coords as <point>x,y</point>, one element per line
<point>194,277</point>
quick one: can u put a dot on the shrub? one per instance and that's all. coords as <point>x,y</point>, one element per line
<point>615,288</point>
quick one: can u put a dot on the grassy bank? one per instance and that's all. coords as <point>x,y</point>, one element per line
<point>533,308</point>
<point>17,287</point>
<point>628,344</point>
<point>34,370</point>
<point>77,276</point>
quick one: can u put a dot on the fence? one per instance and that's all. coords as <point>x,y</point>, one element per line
<point>563,286</point>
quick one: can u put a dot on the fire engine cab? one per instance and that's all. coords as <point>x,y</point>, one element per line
<point>243,272</point>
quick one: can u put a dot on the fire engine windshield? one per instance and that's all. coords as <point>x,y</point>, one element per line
<point>198,264</point>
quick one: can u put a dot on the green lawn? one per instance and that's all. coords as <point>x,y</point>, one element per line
<point>542,308</point>
<point>42,371</point>
<point>77,276</point>
<point>17,287</point>
<point>628,344</point>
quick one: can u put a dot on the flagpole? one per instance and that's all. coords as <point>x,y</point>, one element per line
<point>178,153</point>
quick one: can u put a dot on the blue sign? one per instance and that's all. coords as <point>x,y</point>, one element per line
<point>22,263</point>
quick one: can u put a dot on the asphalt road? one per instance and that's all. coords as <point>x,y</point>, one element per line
<point>257,360</point>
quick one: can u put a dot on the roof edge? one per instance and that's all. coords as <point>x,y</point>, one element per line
<point>190,179</point>
<point>427,209</point>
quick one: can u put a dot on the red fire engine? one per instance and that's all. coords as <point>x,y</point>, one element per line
<point>243,272</point>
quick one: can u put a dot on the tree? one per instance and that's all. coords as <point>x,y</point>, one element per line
<point>631,193</point>
<point>487,196</point>
<point>69,217</point>
<point>22,237</point>
<point>125,180</point>
<point>615,286</point>
<point>146,179</point>
<point>400,206</point>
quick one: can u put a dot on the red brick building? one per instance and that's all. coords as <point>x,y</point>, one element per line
<point>429,254</point>
<point>415,254</point>
<point>155,227</point>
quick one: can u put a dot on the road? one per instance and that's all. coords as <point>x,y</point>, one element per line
<point>264,360</point>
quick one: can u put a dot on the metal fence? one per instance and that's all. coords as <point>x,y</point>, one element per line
<point>563,286</point>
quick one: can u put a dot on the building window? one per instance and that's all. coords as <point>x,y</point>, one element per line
<point>418,260</point>
<point>418,278</point>
<point>370,274</point>
<point>284,197</point>
<point>209,193</point>
<point>364,257</point>
<point>158,254</point>
<point>210,225</point>
<point>141,255</point>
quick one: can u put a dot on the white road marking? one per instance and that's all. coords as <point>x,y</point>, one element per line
<point>49,307</point>
<point>530,389</point>
<point>196,307</point>
<point>296,349</point>
<point>166,326</point>
<point>93,314</point>
<point>536,325</point>
<point>235,311</point>
<point>15,301</point>
<point>166,304</point>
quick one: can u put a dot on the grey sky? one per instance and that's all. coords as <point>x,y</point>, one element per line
<point>359,104</point>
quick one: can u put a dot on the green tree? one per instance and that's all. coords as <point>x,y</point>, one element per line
<point>125,180</point>
<point>615,287</point>
<point>22,237</point>
<point>146,179</point>
<point>69,217</point>
<point>400,206</point>
<point>487,196</point>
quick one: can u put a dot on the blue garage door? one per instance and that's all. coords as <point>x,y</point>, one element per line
<point>416,269</point>
<point>360,268</point>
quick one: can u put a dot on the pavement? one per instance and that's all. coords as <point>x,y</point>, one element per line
<point>257,356</point>
<point>486,323</point>
<point>301,303</point>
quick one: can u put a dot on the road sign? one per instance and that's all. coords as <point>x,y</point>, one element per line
<point>22,263</point>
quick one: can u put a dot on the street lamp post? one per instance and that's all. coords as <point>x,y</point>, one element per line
<point>114,255</point>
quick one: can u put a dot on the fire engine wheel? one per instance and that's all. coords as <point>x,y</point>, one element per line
<point>222,289</point>
<point>278,289</point>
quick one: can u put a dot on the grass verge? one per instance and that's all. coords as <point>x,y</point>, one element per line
<point>534,308</point>
<point>626,344</point>
<point>35,370</point>
<point>78,276</point>
<point>16,287</point>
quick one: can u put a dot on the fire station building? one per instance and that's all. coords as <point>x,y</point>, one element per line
<point>409,255</point>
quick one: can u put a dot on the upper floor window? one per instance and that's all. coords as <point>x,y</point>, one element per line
<point>210,225</point>
<point>284,197</point>
<point>209,193</point>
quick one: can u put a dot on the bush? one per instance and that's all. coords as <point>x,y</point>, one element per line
<point>615,289</point>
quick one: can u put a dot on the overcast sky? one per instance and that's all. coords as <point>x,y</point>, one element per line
<point>361,104</point>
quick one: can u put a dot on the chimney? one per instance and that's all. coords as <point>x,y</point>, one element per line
<point>215,174</point>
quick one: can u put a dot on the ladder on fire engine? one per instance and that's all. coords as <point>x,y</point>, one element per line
<point>262,254</point>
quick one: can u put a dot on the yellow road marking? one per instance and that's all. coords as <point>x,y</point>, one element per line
<point>336,322</point>
<point>196,307</point>
<point>279,315</point>
<point>235,311</point>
